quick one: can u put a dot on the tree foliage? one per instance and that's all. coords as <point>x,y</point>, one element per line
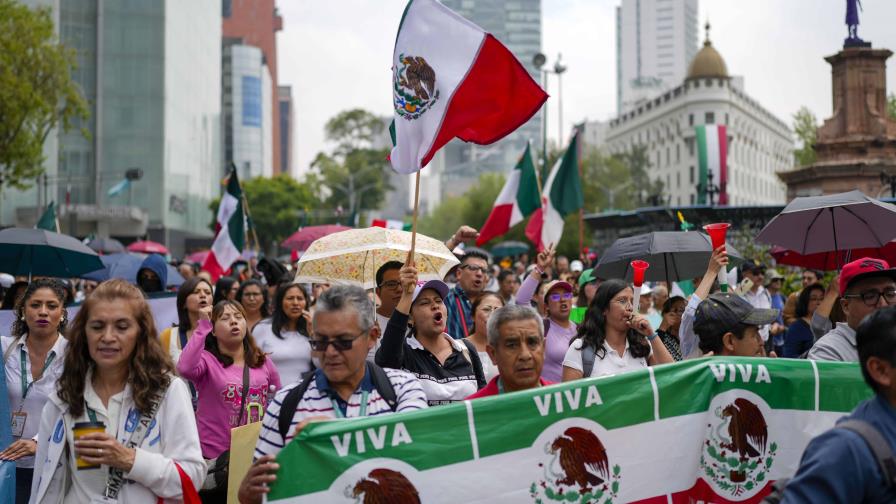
<point>891,105</point>
<point>275,205</point>
<point>36,90</point>
<point>805,125</point>
<point>354,176</point>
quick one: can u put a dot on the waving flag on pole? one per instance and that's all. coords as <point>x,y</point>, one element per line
<point>562,195</point>
<point>517,200</point>
<point>452,79</point>
<point>231,236</point>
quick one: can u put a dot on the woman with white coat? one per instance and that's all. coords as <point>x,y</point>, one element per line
<point>117,374</point>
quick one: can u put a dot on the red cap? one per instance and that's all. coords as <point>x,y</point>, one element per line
<point>864,268</point>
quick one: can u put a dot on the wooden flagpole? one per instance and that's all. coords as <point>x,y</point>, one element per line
<point>414,222</point>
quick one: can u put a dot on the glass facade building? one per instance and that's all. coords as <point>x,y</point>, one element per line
<point>150,73</point>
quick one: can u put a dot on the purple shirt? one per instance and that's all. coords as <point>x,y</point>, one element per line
<point>555,346</point>
<point>220,391</point>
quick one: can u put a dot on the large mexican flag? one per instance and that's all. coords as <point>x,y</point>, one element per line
<point>231,237</point>
<point>712,430</point>
<point>452,79</point>
<point>518,199</point>
<point>712,154</point>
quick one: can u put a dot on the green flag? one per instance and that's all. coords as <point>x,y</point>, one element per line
<point>48,220</point>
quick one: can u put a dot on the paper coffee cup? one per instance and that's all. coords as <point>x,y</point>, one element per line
<point>82,429</point>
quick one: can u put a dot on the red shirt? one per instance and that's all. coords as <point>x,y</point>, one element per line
<point>492,388</point>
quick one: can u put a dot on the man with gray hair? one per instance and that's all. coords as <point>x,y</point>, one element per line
<point>345,385</point>
<point>516,346</point>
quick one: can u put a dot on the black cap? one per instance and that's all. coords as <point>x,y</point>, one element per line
<point>721,312</point>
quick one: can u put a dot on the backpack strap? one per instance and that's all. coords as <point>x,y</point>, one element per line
<point>291,402</point>
<point>879,447</point>
<point>547,325</point>
<point>378,376</point>
<point>383,385</point>
<point>469,350</point>
<point>588,355</point>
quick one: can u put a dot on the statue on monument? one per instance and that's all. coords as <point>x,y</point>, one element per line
<point>852,22</point>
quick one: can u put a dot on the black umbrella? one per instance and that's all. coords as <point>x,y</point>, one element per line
<point>37,252</point>
<point>831,223</point>
<point>673,255</point>
<point>106,245</point>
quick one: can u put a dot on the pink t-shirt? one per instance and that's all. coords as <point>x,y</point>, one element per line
<point>220,391</point>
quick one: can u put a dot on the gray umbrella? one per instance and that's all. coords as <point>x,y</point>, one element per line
<point>37,252</point>
<point>673,256</point>
<point>831,223</point>
<point>106,245</point>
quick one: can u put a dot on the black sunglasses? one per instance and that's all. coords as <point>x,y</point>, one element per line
<point>340,344</point>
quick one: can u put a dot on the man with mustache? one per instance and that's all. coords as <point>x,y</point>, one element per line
<point>516,346</point>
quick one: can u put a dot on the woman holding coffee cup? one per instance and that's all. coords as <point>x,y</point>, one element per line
<point>32,359</point>
<point>118,407</point>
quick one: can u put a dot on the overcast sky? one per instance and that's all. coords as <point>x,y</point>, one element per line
<point>337,55</point>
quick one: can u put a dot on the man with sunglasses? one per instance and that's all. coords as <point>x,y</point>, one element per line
<point>866,285</point>
<point>344,386</point>
<point>472,277</point>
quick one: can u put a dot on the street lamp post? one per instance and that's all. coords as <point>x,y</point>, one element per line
<point>710,190</point>
<point>539,61</point>
<point>889,180</point>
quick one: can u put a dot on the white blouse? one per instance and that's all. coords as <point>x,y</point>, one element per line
<point>612,363</point>
<point>291,355</point>
<point>33,404</point>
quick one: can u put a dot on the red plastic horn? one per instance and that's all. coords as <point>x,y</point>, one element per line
<point>639,267</point>
<point>717,233</point>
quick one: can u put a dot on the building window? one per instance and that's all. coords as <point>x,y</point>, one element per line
<point>678,180</point>
<point>691,147</point>
<point>710,118</point>
<point>690,119</point>
<point>226,8</point>
<point>692,198</point>
<point>251,101</point>
<point>691,174</point>
<point>726,117</point>
<point>677,153</point>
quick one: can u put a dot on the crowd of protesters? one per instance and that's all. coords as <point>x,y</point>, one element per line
<point>258,346</point>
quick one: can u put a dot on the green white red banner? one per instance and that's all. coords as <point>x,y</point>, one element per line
<point>711,430</point>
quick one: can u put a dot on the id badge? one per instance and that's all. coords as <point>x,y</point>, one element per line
<point>17,423</point>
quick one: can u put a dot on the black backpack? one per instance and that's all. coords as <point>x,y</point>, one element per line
<point>873,438</point>
<point>288,407</point>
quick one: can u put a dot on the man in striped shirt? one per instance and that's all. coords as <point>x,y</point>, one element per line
<point>343,331</point>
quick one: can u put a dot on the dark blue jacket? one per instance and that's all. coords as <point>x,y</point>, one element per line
<point>838,466</point>
<point>157,264</point>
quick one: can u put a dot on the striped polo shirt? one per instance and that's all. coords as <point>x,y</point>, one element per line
<point>320,399</point>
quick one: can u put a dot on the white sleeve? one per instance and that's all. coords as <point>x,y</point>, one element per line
<point>179,443</point>
<point>573,357</point>
<point>686,330</point>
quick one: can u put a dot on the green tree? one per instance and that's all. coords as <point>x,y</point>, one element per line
<point>472,208</point>
<point>645,190</point>
<point>355,175</point>
<point>275,205</point>
<point>36,90</point>
<point>805,125</point>
<point>891,105</point>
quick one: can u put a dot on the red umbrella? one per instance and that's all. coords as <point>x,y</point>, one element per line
<point>302,239</point>
<point>829,261</point>
<point>148,247</point>
<point>198,257</point>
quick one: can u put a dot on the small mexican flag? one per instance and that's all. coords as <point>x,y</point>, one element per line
<point>48,220</point>
<point>712,149</point>
<point>390,224</point>
<point>231,236</point>
<point>517,200</point>
<point>562,195</point>
<point>452,79</point>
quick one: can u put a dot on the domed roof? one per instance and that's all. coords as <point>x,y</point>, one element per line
<point>708,62</point>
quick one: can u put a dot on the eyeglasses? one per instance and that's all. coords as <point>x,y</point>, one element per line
<point>872,297</point>
<point>391,284</point>
<point>340,344</point>
<point>488,309</point>
<point>624,302</point>
<point>475,269</point>
<point>558,297</point>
